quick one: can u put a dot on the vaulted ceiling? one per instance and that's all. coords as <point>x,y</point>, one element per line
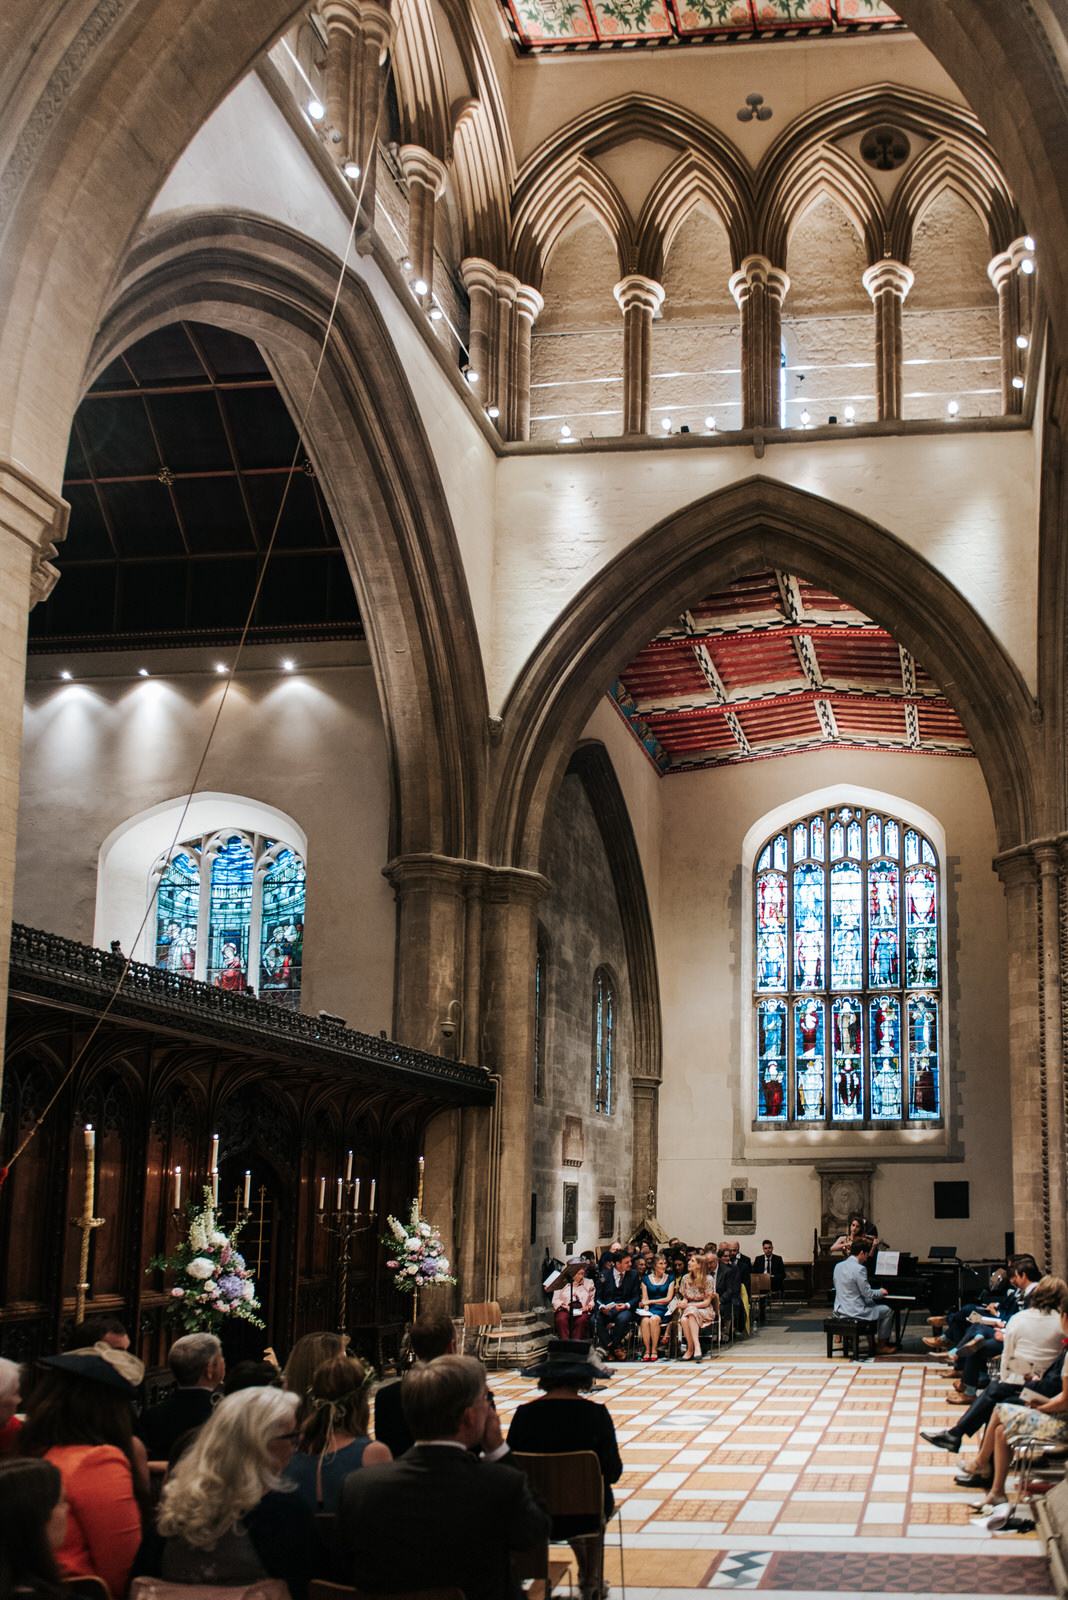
<point>774,665</point>
<point>576,26</point>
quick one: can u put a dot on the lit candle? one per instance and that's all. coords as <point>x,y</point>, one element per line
<point>90,1137</point>
<point>374,1183</point>
<point>248,1187</point>
<point>214,1151</point>
<point>322,1194</point>
<point>348,1169</point>
<point>339,1194</point>
<point>215,1187</point>
<point>356,1197</point>
<point>90,1169</point>
<point>177,1187</point>
<point>420,1166</point>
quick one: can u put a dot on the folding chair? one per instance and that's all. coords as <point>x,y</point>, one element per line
<point>482,1317</point>
<point>569,1482</point>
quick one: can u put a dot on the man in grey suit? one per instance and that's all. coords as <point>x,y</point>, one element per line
<point>855,1297</point>
<point>442,1516</point>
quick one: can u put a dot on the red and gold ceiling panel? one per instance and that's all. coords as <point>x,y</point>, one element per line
<point>545,26</point>
<point>772,665</point>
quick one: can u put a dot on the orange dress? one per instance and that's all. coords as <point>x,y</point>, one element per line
<point>104,1525</point>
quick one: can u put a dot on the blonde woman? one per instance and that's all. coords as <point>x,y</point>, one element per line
<point>227,1515</point>
<point>336,1437</point>
<point>700,1306</point>
<point>305,1359</point>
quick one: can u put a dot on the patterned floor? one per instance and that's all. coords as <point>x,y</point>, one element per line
<point>766,1470</point>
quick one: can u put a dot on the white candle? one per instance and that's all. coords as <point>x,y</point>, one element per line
<point>374,1182</point>
<point>214,1151</point>
<point>248,1187</point>
<point>339,1194</point>
<point>356,1197</point>
<point>177,1187</point>
<point>90,1137</point>
<point>348,1169</point>
<point>322,1194</point>
<point>215,1187</point>
<point>420,1166</point>
<point>90,1169</point>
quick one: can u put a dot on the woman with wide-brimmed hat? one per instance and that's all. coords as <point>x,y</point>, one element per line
<point>560,1419</point>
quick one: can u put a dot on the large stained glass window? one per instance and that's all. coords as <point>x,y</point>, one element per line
<point>229,911</point>
<point>603,1041</point>
<point>847,973</point>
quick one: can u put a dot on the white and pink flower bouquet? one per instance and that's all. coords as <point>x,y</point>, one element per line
<point>417,1255</point>
<point>212,1284</point>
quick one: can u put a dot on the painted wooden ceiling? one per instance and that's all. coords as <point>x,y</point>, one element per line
<point>574,26</point>
<point>772,666</point>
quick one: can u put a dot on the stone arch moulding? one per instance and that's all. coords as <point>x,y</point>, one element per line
<point>373,459</point>
<point>751,525</point>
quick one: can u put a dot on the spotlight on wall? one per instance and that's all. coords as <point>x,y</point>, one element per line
<point>420,286</point>
<point>1017,383</point>
<point>1029,243</point>
<point>351,170</point>
<point>1027,265</point>
<point>665,423</point>
<point>710,424</point>
<point>805,419</point>
<point>142,672</point>
<point>1022,341</point>
<point>850,413</point>
<point>288,666</point>
<point>220,666</point>
<point>66,676</point>
<point>470,374</point>
<point>493,411</point>
<point>953,408</point>
<point>565,432</point>
<point>405,263</point>
<point>436,313</point>
<point>316,110</point>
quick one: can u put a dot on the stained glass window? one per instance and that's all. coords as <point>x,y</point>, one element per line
<point>603,1030</point>
<point>229,911</point>
<point>847,972</point>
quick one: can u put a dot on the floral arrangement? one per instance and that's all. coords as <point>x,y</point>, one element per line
<point>417,1254</point>
<point>212,1282</point>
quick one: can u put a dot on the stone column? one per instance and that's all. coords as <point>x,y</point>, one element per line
<point>1036,1122</point>
<point>1014,290</point>
<point>504,378</point>
<point>527,310</point>
<point>759,290</point>
<point>637,298</point>
<point>32,523</point>
<point>888,282</point>
<point>645,1094</point>
<point>480,281</point>
<point>359,34</point>
<point>425,176</point>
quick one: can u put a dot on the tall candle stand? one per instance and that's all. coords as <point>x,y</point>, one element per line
<point>345,1222</point>
<point>86,1222</point>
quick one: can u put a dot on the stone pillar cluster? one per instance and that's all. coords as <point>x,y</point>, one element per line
<point>503,312</point>
<point>1035,878</point>
<point>639,299</point>
<point>759,290</point>
<point>888,282</point>
<point>359,33</point>
<point>425,176</point>
<point>1015,290</point>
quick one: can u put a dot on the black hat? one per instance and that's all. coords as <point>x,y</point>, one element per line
<point>571,1361</point>
<point>92,1367</point>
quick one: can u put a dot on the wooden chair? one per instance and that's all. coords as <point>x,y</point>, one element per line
<point>483,1317</point>
<point>569,1482</point>
<point>760,1295</point>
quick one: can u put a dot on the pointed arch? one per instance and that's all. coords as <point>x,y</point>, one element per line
<point>944,166</point>
<point>689,182</point>
<point>386,498</point>
<point>833,174</point>
<point>582,188</point>
<point>704,547</point>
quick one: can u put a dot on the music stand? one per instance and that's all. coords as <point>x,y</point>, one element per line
<point>568,1274</point>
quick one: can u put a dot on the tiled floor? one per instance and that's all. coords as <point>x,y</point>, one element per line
<point>763,1469</point>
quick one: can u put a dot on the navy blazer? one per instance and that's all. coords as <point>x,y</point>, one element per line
<point>629,1290</point>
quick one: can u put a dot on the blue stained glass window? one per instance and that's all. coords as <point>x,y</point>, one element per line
<point>853,840</point>
<point>885,1051</point>
<point>771,1050</point>
<point>800,842</point>
<point>837,841</point>
<point>912,848</point>
<point>891,838</point>
<point>818,833</point>
<point>847,1076</point>
<point>927,853</point>
<point>177,914</point>
<point>808,927</point>
<point>779,848</point>
<point>883,946</point>
<point>771,931</point>
<point>923,1058</point>
<point>846,905</point>
<point>874,841</point>
<point>809,1100</point>
<point>282,930</point>
<point>921,929</point>
<point>603,1039</point>
<point>230,915</point>
<point>765,858</point>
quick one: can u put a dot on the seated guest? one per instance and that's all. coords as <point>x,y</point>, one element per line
<point>958,1323</point>
<point>10,1400</point>
<point>573,1304</point>
<point>98,1330</point>
<point>305,1359</point>
<point>432,1335</point>
<point>983,1344</point>
<point>335,1440</point>
<point>226,1517</point>
<point>197,1363</point>
<point>773,1265</point>
<point>442,1516</point>
<point>33,1525</point>
<point>79,1417</point>
<point>568,1422</point>
<point>658,1291</point>
<point>700,1306</point>
<point>855,1297</point>
<point>980,1411</point>
<point>618,1290</point>
<point>727,1281</point>
<point>252,1375</point>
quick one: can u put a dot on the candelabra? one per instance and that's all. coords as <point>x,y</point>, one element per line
<point>345,1223</point>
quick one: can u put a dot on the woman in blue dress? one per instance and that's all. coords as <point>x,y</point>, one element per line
<point>335,1440</point>
<point>658,1291</point>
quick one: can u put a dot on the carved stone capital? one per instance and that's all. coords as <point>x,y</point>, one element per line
<point>888,277</point>
<point>1016,868</point>
<point>635,291</point>
<point>33,515</point>
<point>758,272</point>
<point>529,303</point>
<point>419,166</point>
<point>508,287</point>
<point>364,18</point>
<point>478,273</point>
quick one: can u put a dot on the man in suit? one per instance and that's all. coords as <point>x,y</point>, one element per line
<point>199,1368</point>
<point>616,1293</point>
<point>432,1335</point>
<point>855,1297</point>
<point>442,1516</point>
<point>773,1265</point>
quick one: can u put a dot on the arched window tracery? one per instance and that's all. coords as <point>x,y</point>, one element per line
<point>847,981</point>
<point>603,1042</point>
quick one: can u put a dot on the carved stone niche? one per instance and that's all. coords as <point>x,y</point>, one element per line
<point>739,1209</point>
<point>845,1189</point>
<point>572,1142</point>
